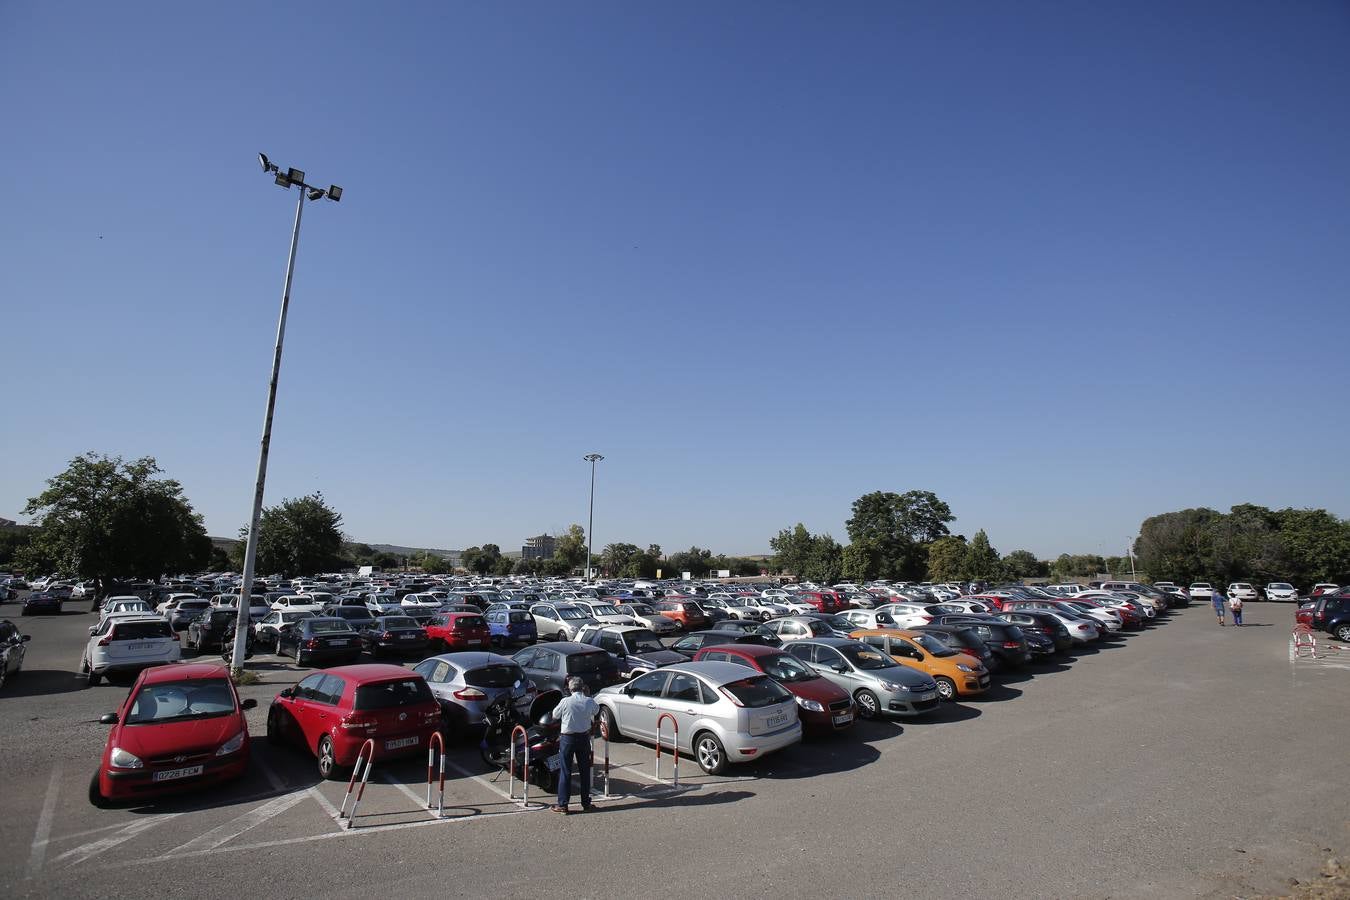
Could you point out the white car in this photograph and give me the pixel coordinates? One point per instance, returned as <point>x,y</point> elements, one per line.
<point>423,601</point>
<point>1241,590</point>
<point>297,603</point>
<point>127,644</point>
<point>869,618</point>
<point>607,613</point>
<point>257,605</point>
<point>173,601</point>
<point>965,606</point>
<point>797,628</point>
<point>645,615</point>
<point>907,615</point>
<point>766,607</point>
<point>734,607</point>
<point>1281,591</point>
<point>1202,590</point>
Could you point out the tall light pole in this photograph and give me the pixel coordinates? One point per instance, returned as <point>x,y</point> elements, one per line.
<point>1129,548</point>
<point>333,192</point>
<point>591,458</point>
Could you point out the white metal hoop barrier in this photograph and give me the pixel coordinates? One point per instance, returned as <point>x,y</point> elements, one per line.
<point>432,745</point>
<point>674,746</point>
<point>524,772</point>
<point>369,760</point>
<point>1305,642</point>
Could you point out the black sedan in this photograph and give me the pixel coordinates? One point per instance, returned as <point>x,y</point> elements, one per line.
<point>1005,640</point>
<point>212,629</point>
<point>695,641</point>
<point>393,634</point>
<point>744,626</point>
<point>549,665</point>
<point>318,641</point>
<point>42,604</point>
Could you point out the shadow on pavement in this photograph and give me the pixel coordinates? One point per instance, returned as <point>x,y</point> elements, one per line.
<point>41,682</point>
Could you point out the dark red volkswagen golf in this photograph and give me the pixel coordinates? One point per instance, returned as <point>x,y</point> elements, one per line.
<point>822,705</point>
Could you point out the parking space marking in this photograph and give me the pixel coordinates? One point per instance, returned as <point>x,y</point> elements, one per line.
<point>451,764</point>
<point>323,801</point>
<point>38,853</point>
<point>232,829</point>
<point>419,801</point>
<point>94,848</point>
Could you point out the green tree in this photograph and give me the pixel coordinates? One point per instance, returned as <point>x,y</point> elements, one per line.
<point>982,560</point>
<point>570,550</point>
<point>695,561</point>
<point>947,559</point>
<point>900,526</point>
<point>220,561</point>
<point>641,565</point>
<point>792,549</point>
<point>104,517</point>
<point>1077,566</point>
<point>861,561</point>
<point>615,557</point>
<point>300,536</point>
<point>484,560</point>
<point>1021,564</point>
<point>824,563</point>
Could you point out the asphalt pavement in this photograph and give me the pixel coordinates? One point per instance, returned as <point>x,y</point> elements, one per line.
<point>1188,759</point>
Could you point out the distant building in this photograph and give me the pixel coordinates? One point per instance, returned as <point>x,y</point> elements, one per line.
<point>540,547</point>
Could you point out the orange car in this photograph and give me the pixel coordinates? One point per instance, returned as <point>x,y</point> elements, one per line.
<point>956,674</point>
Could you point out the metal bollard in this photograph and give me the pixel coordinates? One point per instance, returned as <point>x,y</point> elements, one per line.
<point>369,760</point>
<point>431,755</point>
<point>525,770</point>
<point>674,746</point>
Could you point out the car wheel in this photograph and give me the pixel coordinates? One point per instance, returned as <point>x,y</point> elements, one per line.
<point>1343,633</point>
<point>869,707</point>
<point>299,658</point>
<point>4,672</point>
<point>328,767</point>
<point>96,797</point>
<point>274,736</point>
<point>946,688</point>
<point>93,678</point>
<point>709,753</point>
<point>611,725</point>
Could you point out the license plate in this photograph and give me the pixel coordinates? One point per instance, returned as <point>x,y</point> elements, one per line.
<point>931,695</point>
<point>171,774</point>
<point>337,643</point>
<point>843,718</point>
<point>554,762</point>
<point>400,743</point>
<point>772,721</point>
<point>473,643</point>
<point>140,646</point>
<point>407,637</point>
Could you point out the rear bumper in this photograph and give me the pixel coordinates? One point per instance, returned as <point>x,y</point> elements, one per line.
<point>346,747</point>
<point>744,748</point>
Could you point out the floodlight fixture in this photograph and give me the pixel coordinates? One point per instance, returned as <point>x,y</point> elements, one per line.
<point>295,176</point>
<point>315,194</point>
<point>283,181</point>
<point>267,164</point>
<point>334,193</point>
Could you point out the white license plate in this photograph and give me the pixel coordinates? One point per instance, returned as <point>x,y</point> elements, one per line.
<point>407,637</point>
<point>775,721</point>
<point>931,695</point>
<point>401,742</point>
<point>171,774</point>
<point>843,719</point>
<point>337,643</point>
<point>473,643</point>
<point>140,646</point>
<point>554,762</point>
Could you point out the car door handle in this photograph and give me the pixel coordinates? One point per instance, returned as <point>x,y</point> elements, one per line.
<point>651,706</point>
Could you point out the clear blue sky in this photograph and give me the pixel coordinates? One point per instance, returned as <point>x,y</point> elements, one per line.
<point>1067,265</point>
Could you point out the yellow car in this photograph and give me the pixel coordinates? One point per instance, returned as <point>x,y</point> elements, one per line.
<point>956,674</point>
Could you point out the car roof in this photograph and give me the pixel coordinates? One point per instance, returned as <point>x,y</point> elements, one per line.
<point>474,659</point>
<point>755,650</point>
<point>566,647</point>
<point>891,632</point>
<point>717,672</point>
<point>180,671</point>
<point>372,672</point>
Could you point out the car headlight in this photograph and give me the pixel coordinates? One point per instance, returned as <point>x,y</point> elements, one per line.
<point>964,668</point>
<point>811,705</point>
<point>124,760</point>
<point>232,745</point>
<point>893,687</point>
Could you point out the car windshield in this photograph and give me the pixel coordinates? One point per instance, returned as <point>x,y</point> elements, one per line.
<point>1281,586</point>
<point>933,645</point>
<point>176,701</point>
<point>399,622</point>
<point>196,604</point>
<point>786,669</point>
<point>570,612</point>
<point>604,609</point>
<point>865,657</point>
<point>639,609</point>
<point>587,662</point>
<point>758,691</point>
<point>391,694</point>
<point>296,616</point>
<point>644,642</point>
<point>328,626</point>
<point>494,676</point>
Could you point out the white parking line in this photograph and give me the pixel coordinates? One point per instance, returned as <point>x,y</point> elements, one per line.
<point>232,829</point>
<point>420,802</point>
<point>44,826</point>
<point>323,801</point>
<point>94,848</point>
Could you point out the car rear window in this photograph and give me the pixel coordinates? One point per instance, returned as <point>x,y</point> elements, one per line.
<point>758,691</point>
<point>329,626</point>
<point>392,694</point>
<point>519,617</point>
<point>470,622</point>
<point>587,662</point>
<point>135,631</point>
<point>399,622</point>
<point>498,676</point>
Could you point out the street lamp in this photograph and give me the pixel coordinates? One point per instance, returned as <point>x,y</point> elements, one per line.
<point>333,192</point>
<point>591,458</point>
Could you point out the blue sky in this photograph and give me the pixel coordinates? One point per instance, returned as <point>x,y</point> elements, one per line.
<point>1067,265</point>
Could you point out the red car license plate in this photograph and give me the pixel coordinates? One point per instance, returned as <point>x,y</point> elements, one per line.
<point>401,742</point>
<point>171,774</point>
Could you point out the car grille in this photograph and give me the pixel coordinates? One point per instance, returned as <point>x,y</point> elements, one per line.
<point>840,705</point>
<point>187,757</point>
<point>922,705</point>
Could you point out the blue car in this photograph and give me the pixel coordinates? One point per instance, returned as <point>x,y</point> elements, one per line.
<point>511,626</point>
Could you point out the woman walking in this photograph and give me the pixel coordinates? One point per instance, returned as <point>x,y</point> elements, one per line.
<point>1217,600</point>
<point>1235,604</point>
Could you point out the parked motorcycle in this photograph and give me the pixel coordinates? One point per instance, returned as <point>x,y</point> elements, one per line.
<point>543,733</point>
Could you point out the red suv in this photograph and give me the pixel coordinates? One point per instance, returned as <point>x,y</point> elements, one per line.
<point>822,705</point>
<point>825,601</point>
<point>688,615</point>
<point>458,631</point>
<point>180,727</point>
<point>333,713</point>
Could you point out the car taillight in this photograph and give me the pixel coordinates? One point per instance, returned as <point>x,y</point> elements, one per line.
<point>353,721</point>
<point>730,696</point>
<point>386,636</point>
<point>312,644</point>
<point>470,693</point>
<point>1011,645</point>
<point>106,641</point>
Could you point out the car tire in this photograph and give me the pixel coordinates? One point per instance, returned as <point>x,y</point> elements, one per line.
<point>93,678</point>
<point>1342,632</point>
<point>299,658</point>
<point>709,753</point>
<point>274,735</point>
<point>96,797</point>
<point>946,688</point>
<point>869,707</point>
<point>327,760</point>
<point>611,725</point>
<point>4,672</point>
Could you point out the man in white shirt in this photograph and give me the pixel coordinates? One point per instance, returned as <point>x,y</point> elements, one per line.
<point>575,713</point>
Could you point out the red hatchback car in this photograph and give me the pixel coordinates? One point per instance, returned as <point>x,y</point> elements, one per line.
<point>687,614</point>
<point>458,631</point>
<point>822,705</point>
<point>334,712</point>
<point>182,726</point>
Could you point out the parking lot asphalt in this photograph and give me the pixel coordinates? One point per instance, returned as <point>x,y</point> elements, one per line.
<point>1188,759</point>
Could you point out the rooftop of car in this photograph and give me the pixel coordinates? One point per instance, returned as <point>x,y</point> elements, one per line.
<point>473,659</point>
<point>566,647</point>
<point>755,650</point>
<point>372,672</point>
<point>181,671</point>
<point>717,672</point>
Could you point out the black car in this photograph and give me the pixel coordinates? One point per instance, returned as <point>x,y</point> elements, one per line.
<point>746,626</point>
<point>422,615</point>
<point>549,665</point>
<point>356,616</point>
<point>1032,622</point>
<point>691,643</point>
<point>12,650</point>
<point>393,634</point>
<point>963,640</point>
<point>1332,615</point>
<point>42,604</point>
<point>322,639</point>
<point>1005,640</point>
<point>211,629</point>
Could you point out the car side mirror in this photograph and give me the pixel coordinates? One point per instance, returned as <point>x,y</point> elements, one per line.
<point>840,668</point>
<point>287,693</point>
<point>25,638</point>
<point>250,703</point>
<point>92,629</point>
<point>108,719</point>
<point>628,689</point>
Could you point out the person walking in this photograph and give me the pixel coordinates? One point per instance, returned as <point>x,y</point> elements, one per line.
<point>576,713</point>
<point>1217,600</point>
<point>1235,605</point>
